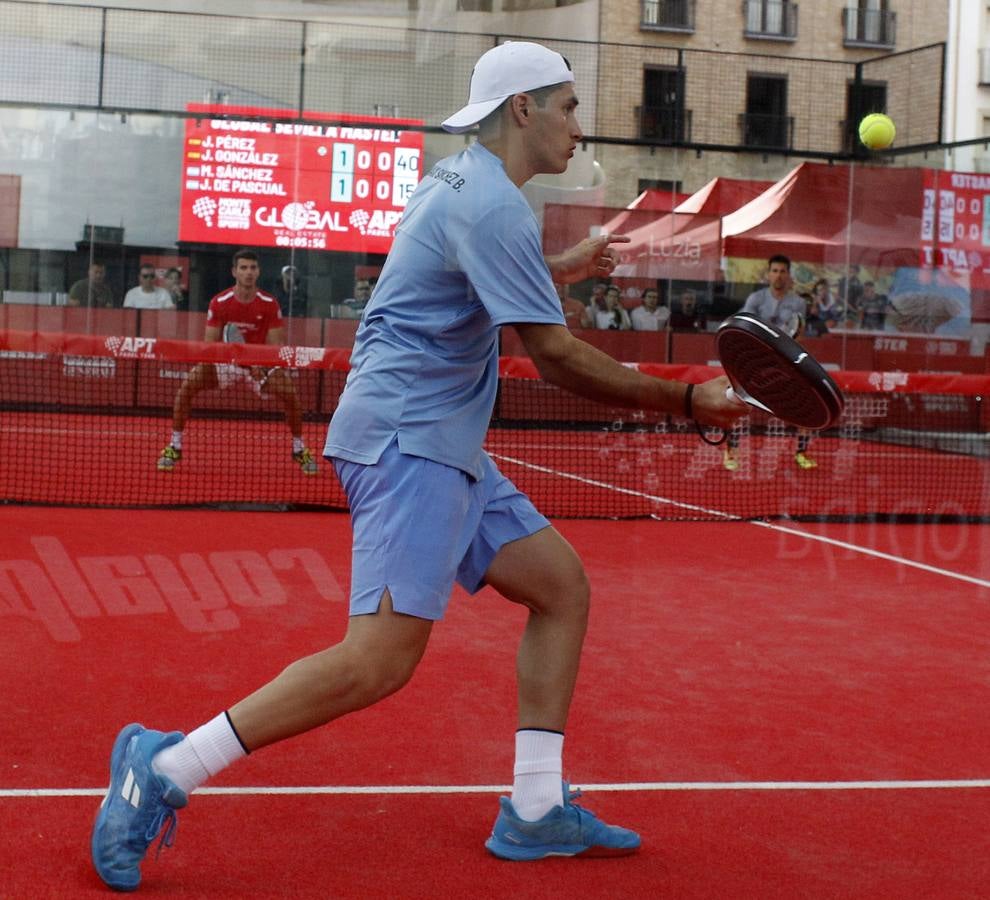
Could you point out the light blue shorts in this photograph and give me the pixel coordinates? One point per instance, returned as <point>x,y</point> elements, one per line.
<point>419,525</point>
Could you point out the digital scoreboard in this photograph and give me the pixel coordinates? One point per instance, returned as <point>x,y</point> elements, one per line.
<point>262,183</point>
<point>955,224</point>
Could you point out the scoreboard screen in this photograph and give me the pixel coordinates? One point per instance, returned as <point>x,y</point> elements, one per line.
<point>307,186</point>
<point>955,224</point>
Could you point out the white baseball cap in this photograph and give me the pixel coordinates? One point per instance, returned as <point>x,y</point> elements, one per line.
<point>510,68</point>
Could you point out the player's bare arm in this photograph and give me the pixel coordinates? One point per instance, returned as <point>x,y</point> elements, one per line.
<point>577,366</point>
<point>276,336</point>
<point>594,257</point>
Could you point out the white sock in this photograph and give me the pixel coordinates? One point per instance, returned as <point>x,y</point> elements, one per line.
<point>201,754</point>
<point>297,445</point>
<point>537,787</point>
<point>177,440</point>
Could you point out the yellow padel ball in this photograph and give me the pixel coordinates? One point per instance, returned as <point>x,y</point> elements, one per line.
<point>877,131</point>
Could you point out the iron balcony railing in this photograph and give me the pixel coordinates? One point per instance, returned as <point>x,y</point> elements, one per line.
<point>770,19</point>
<point>763,131</point>
<point>664,124</point>
<point>667,15</point>
<point>869,27</point>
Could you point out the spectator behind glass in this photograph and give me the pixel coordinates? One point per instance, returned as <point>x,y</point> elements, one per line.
<point>850,291</point>
<point>830,309</point>
<point>814,319</point>
<point>614,317</point>
<point>574,310</point>
<point>873,308</point>
<point>291,292</point>
<point>686,316</point>
<point>595,303</point>
<point>352,307</point>
<point>650,316</point>
<point>92,290</point>
<point>777,304</point>
<point>173,284</point>
<point>148,295</point>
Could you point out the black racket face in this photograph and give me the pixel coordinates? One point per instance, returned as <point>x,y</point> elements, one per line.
<point>772,369</point>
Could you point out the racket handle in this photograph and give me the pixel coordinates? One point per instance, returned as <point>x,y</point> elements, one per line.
<point>731,394</point>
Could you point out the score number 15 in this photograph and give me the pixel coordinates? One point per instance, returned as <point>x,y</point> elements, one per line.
<point>353,171</point>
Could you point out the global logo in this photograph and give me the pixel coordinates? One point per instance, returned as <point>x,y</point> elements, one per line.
<point>296,215</point>
<point>299,217</point>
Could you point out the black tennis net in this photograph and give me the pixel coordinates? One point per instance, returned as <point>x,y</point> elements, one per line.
<point>84,419</point>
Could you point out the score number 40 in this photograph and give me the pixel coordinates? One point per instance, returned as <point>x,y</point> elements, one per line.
<point>403,163</point>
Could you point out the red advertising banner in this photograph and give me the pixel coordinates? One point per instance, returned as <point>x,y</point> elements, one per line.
<point>307,186</point>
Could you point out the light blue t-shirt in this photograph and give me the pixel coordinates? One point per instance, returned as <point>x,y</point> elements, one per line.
<point>466,259</point>
<point>784,313</point>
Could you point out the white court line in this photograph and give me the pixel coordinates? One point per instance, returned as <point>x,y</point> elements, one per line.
<point>879,554</point>
<point>570,476</point>
<point>378,790</point>
<point>772,526</point>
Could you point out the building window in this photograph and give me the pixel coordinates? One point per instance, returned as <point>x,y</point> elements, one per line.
<point>869,23</point>
<point>984,66</point>
<point>773,19</point>
<point>667,15</point>
<point>765,124</point>
<point>662,116</point>
<point>658,184</point>
<point>862,98</point>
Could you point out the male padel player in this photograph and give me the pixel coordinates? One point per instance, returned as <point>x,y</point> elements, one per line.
<point>778,305</point>
<point>406,440</point>
<point>259,319</point>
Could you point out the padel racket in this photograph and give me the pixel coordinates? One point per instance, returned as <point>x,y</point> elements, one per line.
<point>772,372</point>
<point>232,334</point>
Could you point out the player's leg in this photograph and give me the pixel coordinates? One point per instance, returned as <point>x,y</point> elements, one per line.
<point>801,455</point>
<point>543,573</point>
<point>152,773</point>
<point>377,656</point>
<point>517,552</point>
<point>730,455</point>
<point>279,385</point>
<point>401,580</point>
<point>201,377</point>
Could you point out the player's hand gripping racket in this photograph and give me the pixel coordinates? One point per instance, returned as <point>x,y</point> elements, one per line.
<point>772,372</point>
<point>232,334</point>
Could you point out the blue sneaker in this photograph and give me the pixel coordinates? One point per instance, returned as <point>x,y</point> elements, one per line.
<point>139,806</point>
<point>567,830</point>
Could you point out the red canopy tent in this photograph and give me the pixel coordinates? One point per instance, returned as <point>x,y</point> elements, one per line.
<point>685,244</point>
<point>658,199</point>
<point>722,195</point>
<point>818,213</point>
<point>651,200</point>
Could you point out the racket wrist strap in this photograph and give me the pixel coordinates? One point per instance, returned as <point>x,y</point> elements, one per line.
<point>688,406</point>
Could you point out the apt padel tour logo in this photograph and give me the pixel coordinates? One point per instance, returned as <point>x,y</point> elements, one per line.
<point>131,347</point>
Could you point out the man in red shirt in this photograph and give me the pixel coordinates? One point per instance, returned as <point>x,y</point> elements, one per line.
<point>258,317</point>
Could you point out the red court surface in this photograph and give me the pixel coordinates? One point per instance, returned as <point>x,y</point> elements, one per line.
<point>779,716</point>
